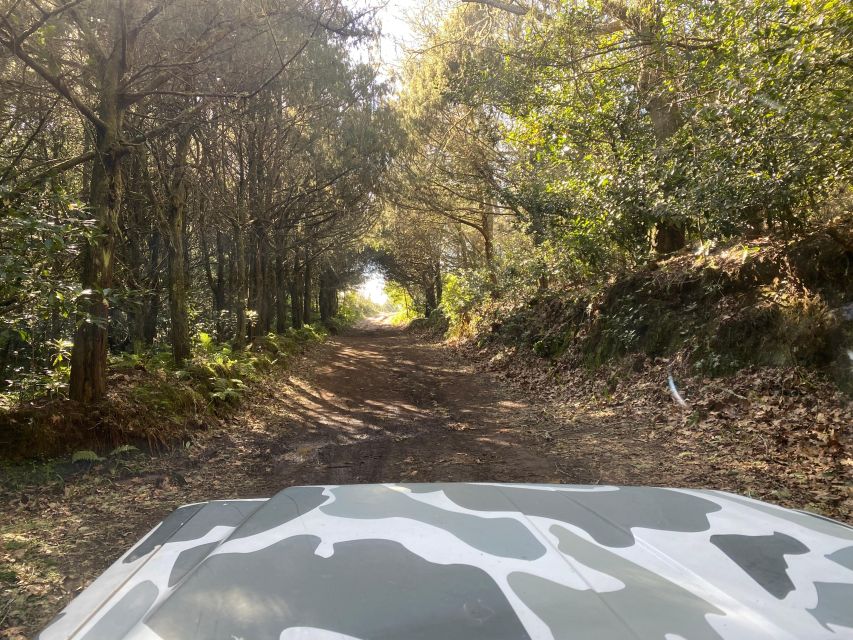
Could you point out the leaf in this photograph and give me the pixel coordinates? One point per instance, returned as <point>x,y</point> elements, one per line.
<point>125,448</point>
<point>85,456</point>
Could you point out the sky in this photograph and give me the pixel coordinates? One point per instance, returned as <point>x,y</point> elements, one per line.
<point>373,288</point>
<point>396,32</point>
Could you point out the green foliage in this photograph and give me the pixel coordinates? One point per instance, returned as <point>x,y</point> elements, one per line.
<point>460,294</point>
<point>41,236</point>
<point>315,332</point>
<point>205,341</point>
<point>85,456</point>
<point>220,373</point>
<point>402,302</point>
<point>9,576</point>
<point>167,397</point>
<point>125,449</point>
<point>435,324</point>
<point>354,307</point>
<point>704,120</point>
<point>708,139</point>
<point>226,391</point>
<point>223,373</point>
<point>553,168</point>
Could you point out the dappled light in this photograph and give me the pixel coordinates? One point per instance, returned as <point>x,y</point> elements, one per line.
<point>254,245</point>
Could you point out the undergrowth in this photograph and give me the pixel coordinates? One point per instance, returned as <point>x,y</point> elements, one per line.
<point>151,402</point>
<point>767,303</point>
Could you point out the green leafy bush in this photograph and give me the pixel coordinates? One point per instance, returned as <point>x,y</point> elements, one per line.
<point>405,309</point>
<point>352,307</point>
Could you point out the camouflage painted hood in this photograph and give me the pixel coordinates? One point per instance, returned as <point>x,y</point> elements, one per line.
<point>470,561</point>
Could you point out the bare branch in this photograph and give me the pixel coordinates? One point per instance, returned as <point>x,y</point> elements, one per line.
<point>45,16</point>
<point>503,6</point>
<point>14,44</point>
<point>59,167</point>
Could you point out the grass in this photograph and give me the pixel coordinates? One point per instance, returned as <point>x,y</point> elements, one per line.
<point>8,575</point>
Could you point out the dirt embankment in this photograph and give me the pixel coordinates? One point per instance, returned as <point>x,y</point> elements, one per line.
<point>762,302</point>
<point>731,369</point>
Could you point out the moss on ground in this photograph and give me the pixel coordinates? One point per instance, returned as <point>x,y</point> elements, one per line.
<point>766,304</point>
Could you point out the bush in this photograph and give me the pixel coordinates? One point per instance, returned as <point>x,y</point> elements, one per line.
<point>436,324</point>
<point>353,307</point>
<point>458,298</point>
<point>402,302</point>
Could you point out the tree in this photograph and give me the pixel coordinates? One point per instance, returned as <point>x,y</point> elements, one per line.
<point>149,73</point>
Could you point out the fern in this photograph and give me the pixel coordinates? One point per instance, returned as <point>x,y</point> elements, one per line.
<point>85,456</point>
<point>226,395</point>
<point>205,340</point>
<point>125,448</point>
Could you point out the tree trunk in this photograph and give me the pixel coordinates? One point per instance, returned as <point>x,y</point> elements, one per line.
<point>136,257</point>
<point>668,238</point>
<point>429,299</point>
<point>270,284</point>
<point>177,264</point>
<point>327,296</point>
<point>668,235</point>
<point>89,355</point>
<point>296,297</point>
<point>306,293</point>
<point>439,291</point>
<point>260,280</point>
<point>216,284</point>
<point>151,307</point>
<point>242,288</point>
<point>221,281</point>
<point>280,294</point>
<point>147,276</point>
<point>488,231</point>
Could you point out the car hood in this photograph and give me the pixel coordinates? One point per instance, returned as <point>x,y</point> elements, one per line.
<point>468,561</point>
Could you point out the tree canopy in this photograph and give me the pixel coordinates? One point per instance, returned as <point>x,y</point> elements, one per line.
<point>171,167</point>
<point>174,166</point>
<point>604,134</point>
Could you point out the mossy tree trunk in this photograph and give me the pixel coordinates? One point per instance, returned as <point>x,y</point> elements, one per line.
<point>177,263</point>
<point>88,381</point>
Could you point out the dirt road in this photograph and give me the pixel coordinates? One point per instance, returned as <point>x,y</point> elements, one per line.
<point>382,406</point>
<point>374,405</point>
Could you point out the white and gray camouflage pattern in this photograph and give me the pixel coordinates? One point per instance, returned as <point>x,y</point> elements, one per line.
<point>476,561</point>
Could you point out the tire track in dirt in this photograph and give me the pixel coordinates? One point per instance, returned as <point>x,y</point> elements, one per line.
<point>376,404</point>
<point>383,406</point>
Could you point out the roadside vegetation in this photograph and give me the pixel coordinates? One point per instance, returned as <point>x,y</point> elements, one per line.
<point>589,182</point>
<point>180,209</point>
<point>636,214</point>
<point>572,153</point>
<point>643,205</point>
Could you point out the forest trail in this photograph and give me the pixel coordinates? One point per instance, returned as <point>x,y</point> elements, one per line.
<point>380,405</point>
<point>375,404</point>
